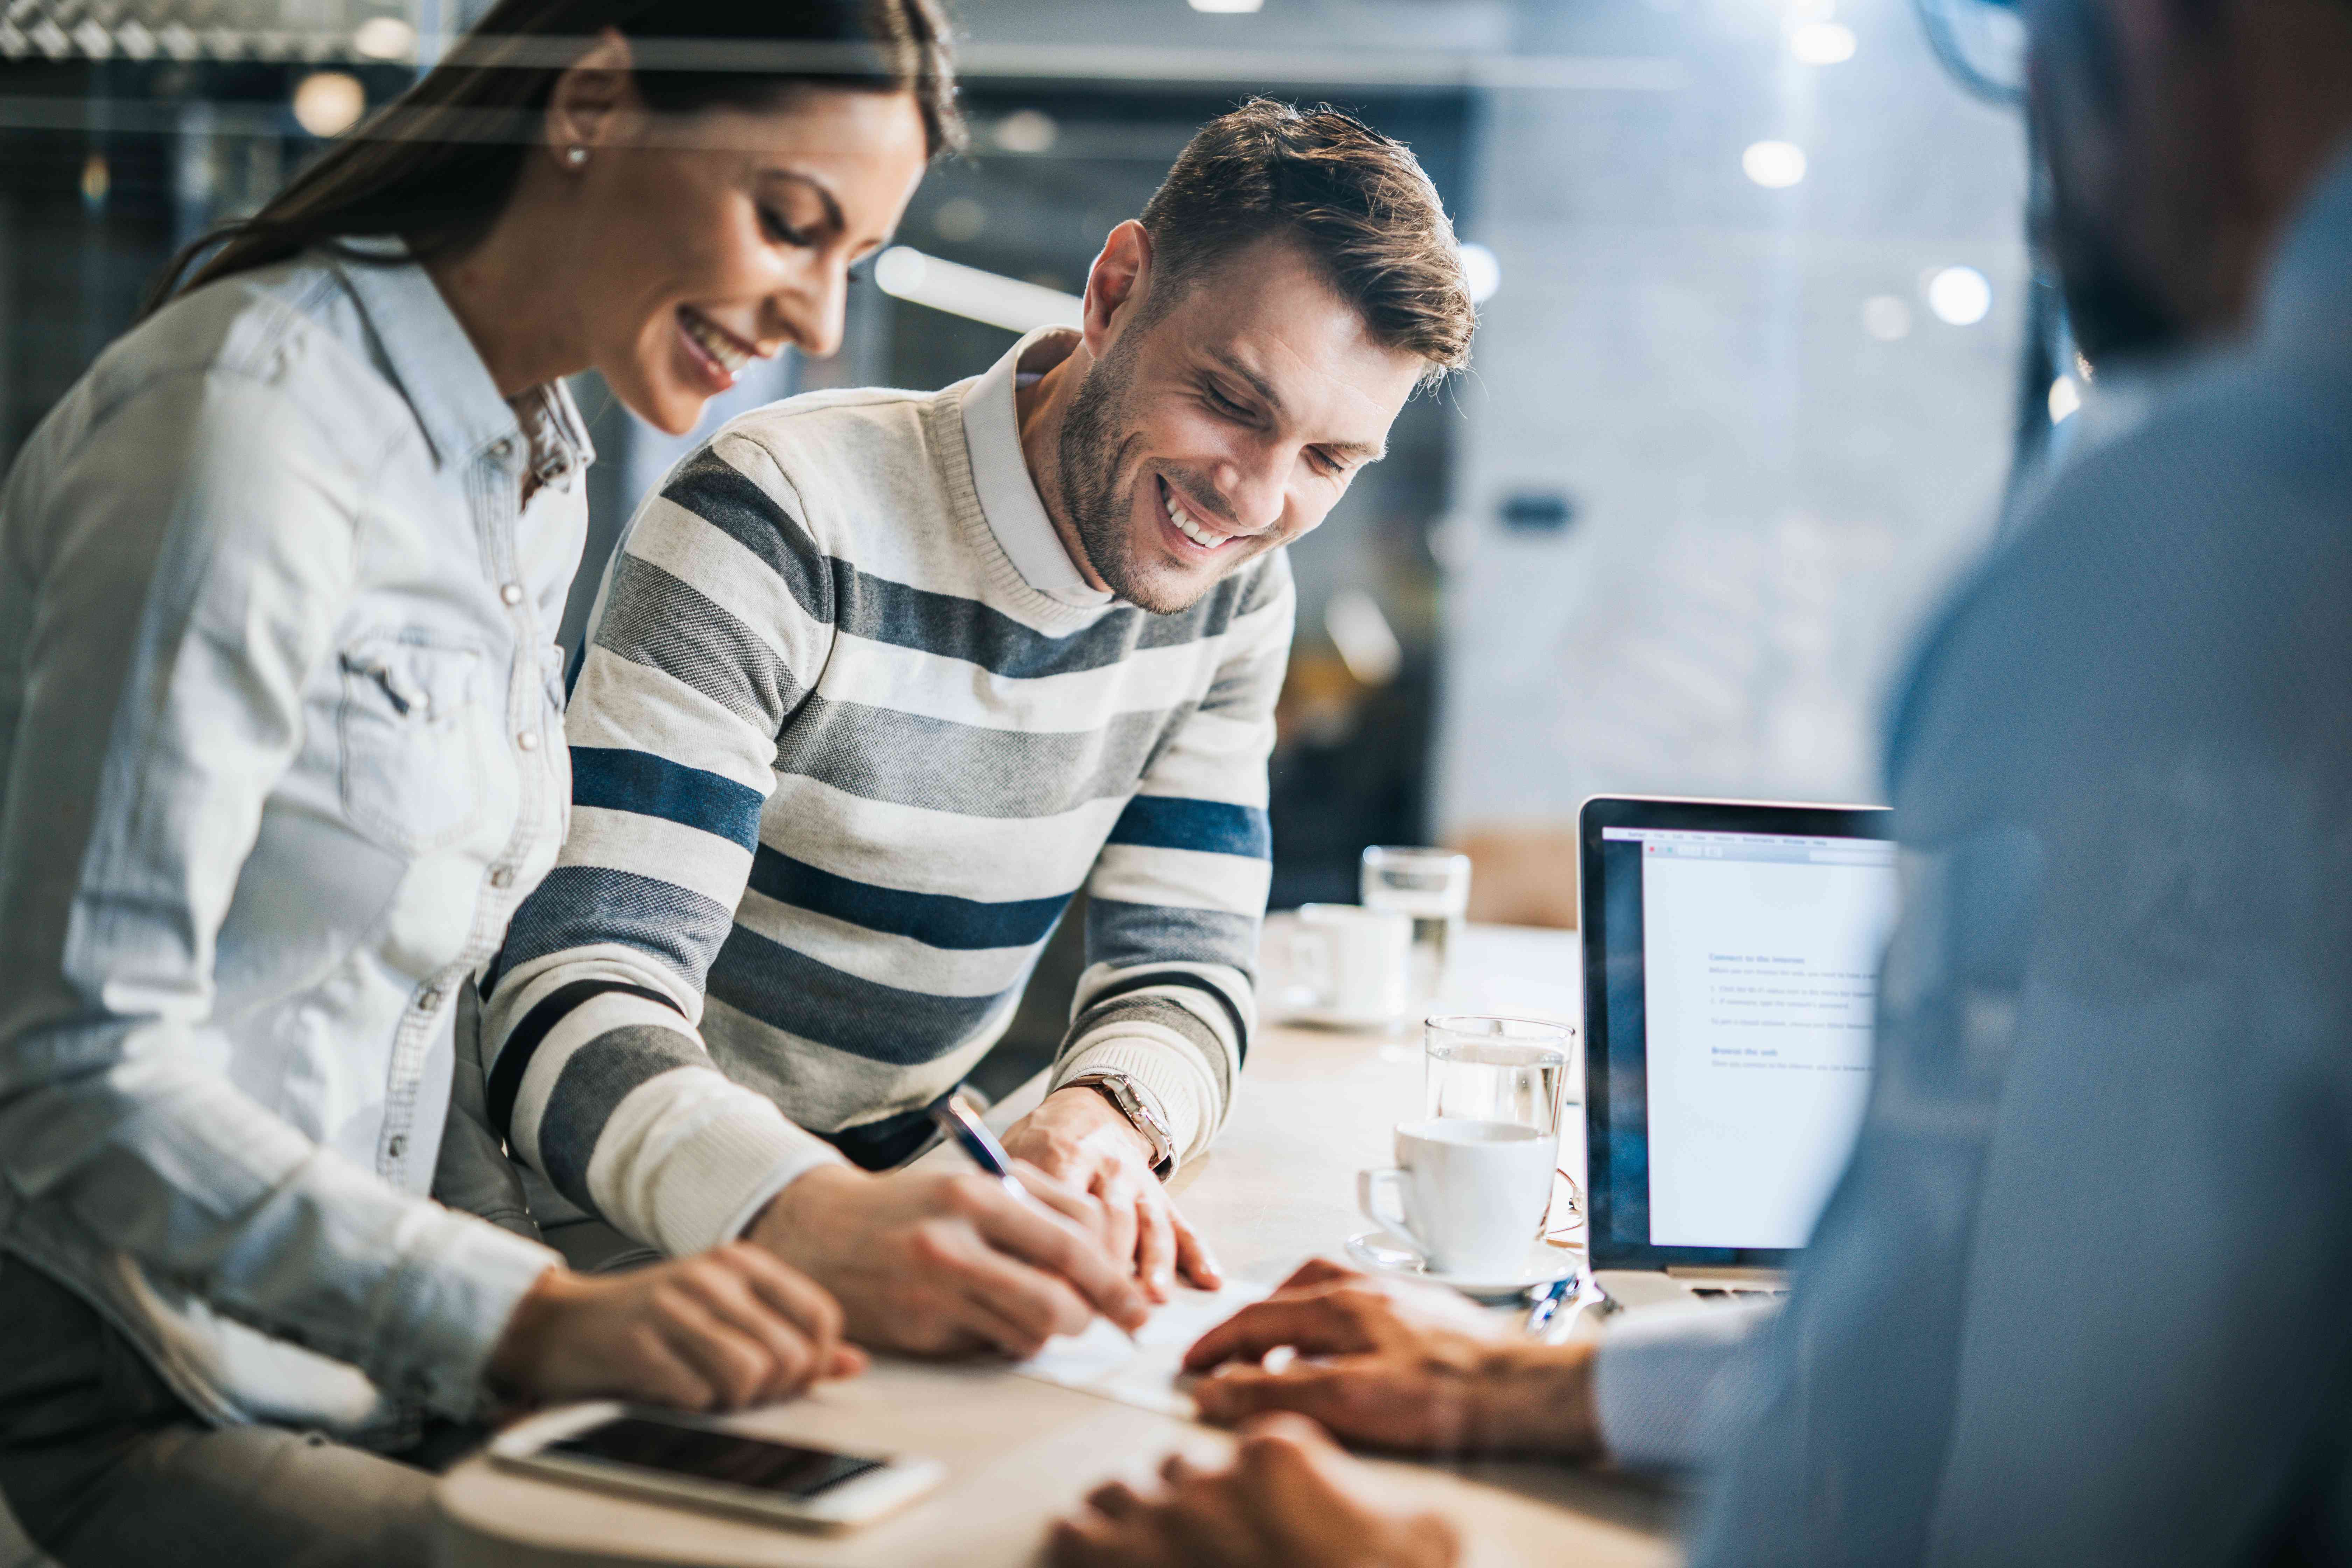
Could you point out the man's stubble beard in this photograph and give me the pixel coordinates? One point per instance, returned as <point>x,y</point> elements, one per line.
<point>2111,310</point>
<point>1091,452</point>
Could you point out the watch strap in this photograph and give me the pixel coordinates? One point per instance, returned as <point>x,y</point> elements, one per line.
<point>1132,1103</point>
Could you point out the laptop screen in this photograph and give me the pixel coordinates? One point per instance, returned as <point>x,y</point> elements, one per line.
<point>1731,1055</point>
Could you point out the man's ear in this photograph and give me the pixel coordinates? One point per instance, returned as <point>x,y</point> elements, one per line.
<point>589,97</point>
<point>1117,286</point>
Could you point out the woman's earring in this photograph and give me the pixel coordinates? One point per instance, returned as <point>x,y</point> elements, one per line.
<point>576,156</point>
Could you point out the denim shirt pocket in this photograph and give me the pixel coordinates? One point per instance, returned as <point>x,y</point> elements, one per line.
<point>413,743</point>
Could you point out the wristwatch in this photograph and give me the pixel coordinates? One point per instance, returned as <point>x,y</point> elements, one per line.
<point>1120,1090</point>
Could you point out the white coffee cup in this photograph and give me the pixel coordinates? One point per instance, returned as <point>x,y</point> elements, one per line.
<point>1347,966</point>
<point>1472,1194</point>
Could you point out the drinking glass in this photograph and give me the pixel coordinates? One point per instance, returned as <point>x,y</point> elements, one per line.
<point>1432,885</point>
<point>1501,1069</point>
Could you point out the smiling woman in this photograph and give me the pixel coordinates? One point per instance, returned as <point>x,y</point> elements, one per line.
<point>660,192</point>
<point>281,749</point>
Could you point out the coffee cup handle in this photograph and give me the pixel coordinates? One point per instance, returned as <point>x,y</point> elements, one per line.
<point>1368,1188</point>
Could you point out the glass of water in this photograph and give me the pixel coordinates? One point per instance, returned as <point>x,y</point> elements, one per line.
<point>1432,885</point>
<point>1502,1069</point>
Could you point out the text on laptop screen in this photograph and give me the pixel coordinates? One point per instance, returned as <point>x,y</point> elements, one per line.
<point>1760,970</point>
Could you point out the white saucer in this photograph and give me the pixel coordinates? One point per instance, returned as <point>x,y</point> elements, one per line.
<point>1384,1252</point>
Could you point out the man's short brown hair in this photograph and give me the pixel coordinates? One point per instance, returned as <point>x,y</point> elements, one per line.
<point>1355,201</point>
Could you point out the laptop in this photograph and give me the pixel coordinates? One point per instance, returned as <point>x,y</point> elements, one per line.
<point>1731,953</point>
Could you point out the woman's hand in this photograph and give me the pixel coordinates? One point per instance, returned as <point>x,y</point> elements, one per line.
<point>1399,1366</point>
<point>1290,1500</point>
<point>945,1263</point>
<point>721,1330</point>
<point>1082,1139</point>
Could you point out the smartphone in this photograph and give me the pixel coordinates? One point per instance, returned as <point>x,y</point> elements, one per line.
<point>704,1464</point>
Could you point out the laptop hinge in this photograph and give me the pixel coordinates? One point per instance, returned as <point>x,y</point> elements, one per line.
<point>1729,1275</point>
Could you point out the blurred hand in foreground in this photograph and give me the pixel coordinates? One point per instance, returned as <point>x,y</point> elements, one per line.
<point>1289,1500</point>
<point>1397,1366</point>
<point>719,1331</point>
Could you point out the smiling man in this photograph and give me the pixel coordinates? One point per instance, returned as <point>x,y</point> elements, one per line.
<point>878,680</point>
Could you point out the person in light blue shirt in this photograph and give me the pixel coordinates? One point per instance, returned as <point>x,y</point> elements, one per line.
<point>2079,1297</point>
<point>281,749</point>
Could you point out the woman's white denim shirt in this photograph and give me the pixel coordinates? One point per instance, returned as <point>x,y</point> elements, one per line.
<point>280,750</point>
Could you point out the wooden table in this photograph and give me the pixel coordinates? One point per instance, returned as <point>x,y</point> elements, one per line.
<point>1278,1187</point>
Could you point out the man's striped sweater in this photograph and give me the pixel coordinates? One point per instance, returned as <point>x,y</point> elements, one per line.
<point>848,734</point>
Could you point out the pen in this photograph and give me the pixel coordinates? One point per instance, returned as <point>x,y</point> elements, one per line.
<point>957,1120</point>
<point>1546,1302</point>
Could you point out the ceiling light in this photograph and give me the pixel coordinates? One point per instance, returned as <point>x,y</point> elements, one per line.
<point>328,103</point>
<point>1227,7</point>
<point>1775,165</point>
<point>958,219</point>
<point>385,38</point>
<point>1961,296</point>
<point>2064,398</point>
<point>1367,643</point>
<point>905,273</point>
<point>1822,43</point>
<point>1481,271</point>
<point>1027,131</point>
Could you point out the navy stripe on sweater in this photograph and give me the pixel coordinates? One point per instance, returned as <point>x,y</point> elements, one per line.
<point>615,779</point>
<point>1213,826</point>
<point>938,920</point>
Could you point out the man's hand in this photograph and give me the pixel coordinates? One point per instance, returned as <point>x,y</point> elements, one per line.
<point>1290,1500</point>
<point>1080,1137</point>
<point>718,1330</point>
<point>1399,1366</point>
<point>949,1262</point>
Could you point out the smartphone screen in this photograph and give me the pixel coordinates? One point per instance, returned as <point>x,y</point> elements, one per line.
<point>722,1456</point>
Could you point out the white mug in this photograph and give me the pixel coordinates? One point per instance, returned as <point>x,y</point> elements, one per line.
<point>1472,1194</point>
<point>1349,965</point>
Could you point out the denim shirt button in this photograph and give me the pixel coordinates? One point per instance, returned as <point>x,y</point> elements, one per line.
<point>429,1001</point>
<point>502,449</point>
<point>511,594</point>
<point>503,877</point>
<point>528,740</point>
<point>398,1146</point>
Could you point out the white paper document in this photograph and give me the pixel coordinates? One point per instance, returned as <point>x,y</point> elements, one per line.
<point>1144,1370</point>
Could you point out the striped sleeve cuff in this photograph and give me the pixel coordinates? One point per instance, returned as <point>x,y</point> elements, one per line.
<point>1170,1079</point>
<point>603,1089</point>
<point>690,1157</point>
<point>1672,1386</point>
<point>1178,1033</point>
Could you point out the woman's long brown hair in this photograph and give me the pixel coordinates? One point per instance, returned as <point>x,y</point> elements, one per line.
<point>436,165</point>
